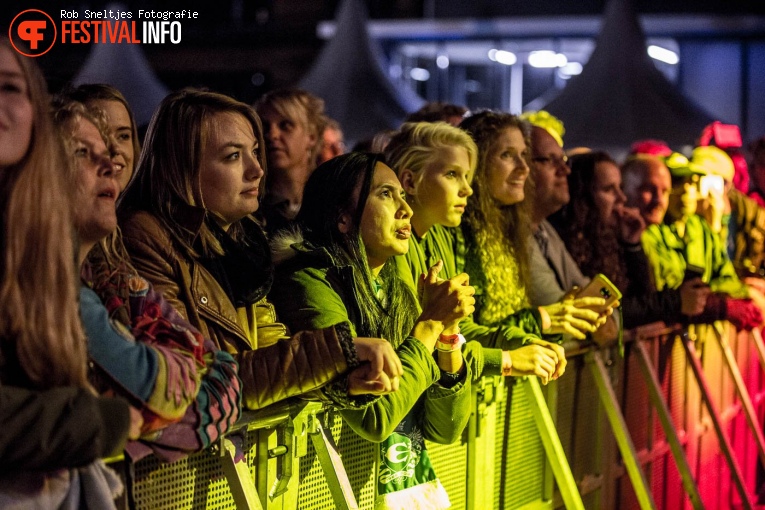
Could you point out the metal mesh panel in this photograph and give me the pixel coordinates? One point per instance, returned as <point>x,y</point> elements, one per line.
<point>196,482</point>
<point>358,458</point>
<point>524,456</point>
<point>450,463</point>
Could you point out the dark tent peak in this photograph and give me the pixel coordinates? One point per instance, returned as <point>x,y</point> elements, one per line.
<point>125,67</point>
<point>621,96</point>
<point>349,75</point>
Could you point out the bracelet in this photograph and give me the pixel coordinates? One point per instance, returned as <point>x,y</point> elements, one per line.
<point>448,343</point>
<point>507,368</point>
<point>544,316</point>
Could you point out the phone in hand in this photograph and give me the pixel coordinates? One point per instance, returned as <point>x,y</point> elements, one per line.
<point>601,286</point>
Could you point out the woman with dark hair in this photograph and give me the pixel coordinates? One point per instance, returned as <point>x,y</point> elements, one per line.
<point>603,236</point>
<point>187,224</point>
<point>50,417</point>
<point>339,269</point>
<point>120,123</point>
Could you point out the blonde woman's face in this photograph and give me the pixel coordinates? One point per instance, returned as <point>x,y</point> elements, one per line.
<point>16,112</point>
<point>439,195</point>
<point>230,173</point>
<point>121,138</point>
<point>506,168</point>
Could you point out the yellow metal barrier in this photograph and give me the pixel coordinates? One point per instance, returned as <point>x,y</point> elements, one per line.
<point>674,424</point>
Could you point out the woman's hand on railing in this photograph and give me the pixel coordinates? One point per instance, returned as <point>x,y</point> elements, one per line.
<point>360,382</point>
<point>543,359</point>
<point>380,370</point>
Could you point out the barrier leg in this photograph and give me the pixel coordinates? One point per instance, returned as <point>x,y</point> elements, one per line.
<point>714,414</point>
<point>240,481</point>
<point>332,465</point>
<point>553,448</point>
<point>657,399</point>
<point>759,346</point>
<point>743,393</point>
<point>619,428</point>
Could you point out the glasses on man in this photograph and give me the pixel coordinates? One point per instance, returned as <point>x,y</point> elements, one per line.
<point>551,159</point>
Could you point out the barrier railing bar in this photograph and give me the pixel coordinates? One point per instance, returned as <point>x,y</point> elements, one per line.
<point>238,476</point>
<point>657,400</point>
<point>759,346</point>
<point>706,395</point>
<point>619,428</point>
<point>332,465</point>
<point>743,393</point>
<point>552,445</point>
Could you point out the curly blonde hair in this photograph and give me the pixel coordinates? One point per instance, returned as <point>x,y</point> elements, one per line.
<point>497,236</point>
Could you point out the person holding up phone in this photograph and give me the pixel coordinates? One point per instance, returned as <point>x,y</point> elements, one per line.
<point>603,236</point>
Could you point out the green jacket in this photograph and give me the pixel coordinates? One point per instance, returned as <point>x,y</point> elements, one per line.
<point>448,244</point>
<point>668,255</point>
<point>310,291</point>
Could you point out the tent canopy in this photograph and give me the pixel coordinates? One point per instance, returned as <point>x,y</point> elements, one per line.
<point>621,96</point>
<point>348,74</point>
<point>124,66</point>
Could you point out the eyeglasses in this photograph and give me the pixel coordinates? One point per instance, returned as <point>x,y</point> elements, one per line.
<point>555,160</point>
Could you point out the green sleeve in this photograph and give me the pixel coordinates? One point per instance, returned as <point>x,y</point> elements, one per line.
<point>447,410</point>
<point>377,421</point>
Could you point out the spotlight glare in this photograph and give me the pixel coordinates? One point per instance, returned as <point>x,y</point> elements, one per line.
<point>507,58</point>
<point>547,59</point>
<point>442,61</point>
<point>663,54</point>
<point>419,74</point>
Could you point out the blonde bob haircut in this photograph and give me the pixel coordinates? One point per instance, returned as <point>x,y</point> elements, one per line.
<point>40,331</point>
<point>167,177</point>
<point>301,107</point>
<point>417,143</point>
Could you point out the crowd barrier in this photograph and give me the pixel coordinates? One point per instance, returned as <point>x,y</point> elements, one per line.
<point>673,424</point>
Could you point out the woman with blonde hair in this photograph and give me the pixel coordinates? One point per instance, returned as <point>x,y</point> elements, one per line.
<point>497,231</point>
<point>120,125</point>
<point>138,344</point>
<point>51,418</point>
<point>435,163</point>
<point>293,124</point>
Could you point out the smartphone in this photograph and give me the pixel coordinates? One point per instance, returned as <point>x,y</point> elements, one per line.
<point>601,286</point>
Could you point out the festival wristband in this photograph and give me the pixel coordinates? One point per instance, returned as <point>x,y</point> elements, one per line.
<point>450,342</point>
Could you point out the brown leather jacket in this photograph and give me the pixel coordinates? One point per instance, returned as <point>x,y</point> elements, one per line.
<point>272,365</point>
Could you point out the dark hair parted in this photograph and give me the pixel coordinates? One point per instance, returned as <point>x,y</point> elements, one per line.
<point>342,186</point>
<point>499,233</point>
<point>593,244</point>
<point>168,171</point>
